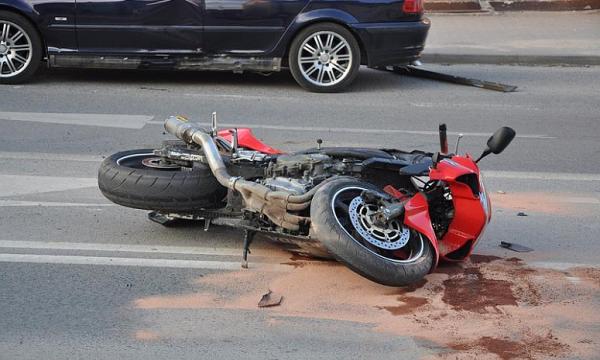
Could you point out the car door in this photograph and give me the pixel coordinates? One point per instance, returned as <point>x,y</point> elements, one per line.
<point>247,26</point>
<point>139,26</point>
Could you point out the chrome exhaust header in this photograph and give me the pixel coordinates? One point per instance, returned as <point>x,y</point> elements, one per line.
<point>257,197</point>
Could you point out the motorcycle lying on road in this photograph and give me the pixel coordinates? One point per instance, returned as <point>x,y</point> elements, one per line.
<point>389,215</point>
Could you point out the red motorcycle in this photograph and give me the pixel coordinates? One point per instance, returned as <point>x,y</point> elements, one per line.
<point>388,214</point>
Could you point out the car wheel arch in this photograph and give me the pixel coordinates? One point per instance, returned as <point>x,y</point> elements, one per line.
<point>26,16</point>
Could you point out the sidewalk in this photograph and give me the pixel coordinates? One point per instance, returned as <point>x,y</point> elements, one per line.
<point>540,38</point>
<point>509,5</point>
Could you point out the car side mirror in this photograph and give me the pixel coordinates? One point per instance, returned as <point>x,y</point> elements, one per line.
<point>498,141</point>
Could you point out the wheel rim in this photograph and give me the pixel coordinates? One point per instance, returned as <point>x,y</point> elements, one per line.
<point>325,58</point>
<point>145,160</point>
<point>16,50</point>
<point>394,243</point>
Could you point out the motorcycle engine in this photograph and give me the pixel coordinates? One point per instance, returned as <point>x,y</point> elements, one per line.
<point>300,165</point>
<point>297,173</point>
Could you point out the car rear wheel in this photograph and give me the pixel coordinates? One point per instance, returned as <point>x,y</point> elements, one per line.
<point>324,58</point>
<point>20,49</point>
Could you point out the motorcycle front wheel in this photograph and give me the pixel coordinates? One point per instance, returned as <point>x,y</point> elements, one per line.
<point>392,255</point>
<point>139,179</point>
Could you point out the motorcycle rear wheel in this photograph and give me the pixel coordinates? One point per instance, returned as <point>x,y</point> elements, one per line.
<point>400,264</point>
<point>136,179</point>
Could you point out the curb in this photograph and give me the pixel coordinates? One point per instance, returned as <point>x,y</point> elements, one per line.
<point>546,5</point>
<point>574,60</point>
<point>475,6</point>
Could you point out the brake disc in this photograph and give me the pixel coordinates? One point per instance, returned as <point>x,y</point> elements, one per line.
<point>392,236</point>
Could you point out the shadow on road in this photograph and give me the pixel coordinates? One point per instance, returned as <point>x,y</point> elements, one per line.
<point>159,80</point>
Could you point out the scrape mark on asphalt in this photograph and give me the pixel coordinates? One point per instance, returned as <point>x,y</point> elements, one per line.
<point>146,335</point>
<point>546,203</point>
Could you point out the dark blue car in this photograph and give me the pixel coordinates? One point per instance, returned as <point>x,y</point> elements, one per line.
<point>323,42</point>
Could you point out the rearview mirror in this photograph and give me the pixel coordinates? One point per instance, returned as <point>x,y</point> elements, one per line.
<point>499,141</point>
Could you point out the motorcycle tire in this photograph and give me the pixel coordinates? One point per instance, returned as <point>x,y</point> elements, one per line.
<point>124,179</point>
<point>332,225</point>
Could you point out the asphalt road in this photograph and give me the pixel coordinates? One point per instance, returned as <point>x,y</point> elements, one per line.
<point>82,278</point>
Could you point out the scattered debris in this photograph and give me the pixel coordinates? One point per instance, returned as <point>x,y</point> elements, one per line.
<point>501,192</point>
<point>521,214</point>
<point>514,247</point>
<point>433,75</point>
<point>270,299</point>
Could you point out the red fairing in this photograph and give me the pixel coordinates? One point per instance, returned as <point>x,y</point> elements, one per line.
<point>470,216</point>
<point>246,139</point>
<point>416,217</point>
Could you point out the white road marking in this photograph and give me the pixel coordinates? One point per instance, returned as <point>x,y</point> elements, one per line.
<point>139,121</point>
<point>356,130</point>
<point>528,175</point>
<point>49,156</point>
<point>12,185</point>
<point>131,248</point>
<point>138,262</point>
<point>21,203</point>
<point>100,120</point>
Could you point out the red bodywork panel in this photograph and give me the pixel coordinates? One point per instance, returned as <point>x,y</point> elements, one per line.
<point>416,216</point>
<point>246,139</point>
<point>470,216</point>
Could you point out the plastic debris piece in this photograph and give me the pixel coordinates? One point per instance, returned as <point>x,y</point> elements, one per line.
<point>270,299</point>
<point>521,214</point>
<point>515,247</point>
<point>501,192</point>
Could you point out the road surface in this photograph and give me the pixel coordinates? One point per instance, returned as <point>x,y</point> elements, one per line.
<point>83,278</point>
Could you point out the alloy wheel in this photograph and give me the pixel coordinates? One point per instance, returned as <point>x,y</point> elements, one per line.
<point>16,49</point>
<point>325,58</point>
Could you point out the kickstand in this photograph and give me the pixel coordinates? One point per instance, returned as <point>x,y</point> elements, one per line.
<point>248,237</point>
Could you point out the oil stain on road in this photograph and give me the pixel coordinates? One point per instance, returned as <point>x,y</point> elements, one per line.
<point>485,308</point>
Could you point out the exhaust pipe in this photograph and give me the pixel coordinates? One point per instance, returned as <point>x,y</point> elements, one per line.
<point>274,204</point>
<point>182,129</point>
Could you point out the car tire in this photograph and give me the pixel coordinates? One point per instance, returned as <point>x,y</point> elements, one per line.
<point>20,49</point>
<point>124,180</point>
<point>324,57</point>
<point>333,228</point>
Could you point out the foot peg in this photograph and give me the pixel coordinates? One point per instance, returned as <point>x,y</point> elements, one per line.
<point>159,218</point>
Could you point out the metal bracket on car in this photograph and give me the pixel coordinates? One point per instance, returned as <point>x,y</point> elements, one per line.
<point>434,75</point>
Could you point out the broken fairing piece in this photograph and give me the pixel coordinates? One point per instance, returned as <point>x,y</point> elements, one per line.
<point>515,247</point>
<point>270,299</point>
<point>433,75</point>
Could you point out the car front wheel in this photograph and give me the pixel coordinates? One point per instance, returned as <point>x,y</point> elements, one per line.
<point>20,49</point>
<point>324,58</point>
